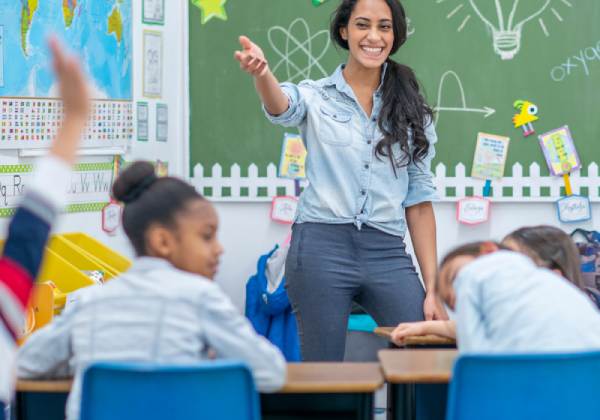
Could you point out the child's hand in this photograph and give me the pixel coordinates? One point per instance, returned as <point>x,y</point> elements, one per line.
<point>252,59</point>
<point>71,81</point>
<point>407,329</point>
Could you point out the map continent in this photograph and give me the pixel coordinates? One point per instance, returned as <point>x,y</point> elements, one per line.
<point>99,31</point>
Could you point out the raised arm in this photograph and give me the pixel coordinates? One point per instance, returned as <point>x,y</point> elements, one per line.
<point>29,229</point>
<point>252,61</point>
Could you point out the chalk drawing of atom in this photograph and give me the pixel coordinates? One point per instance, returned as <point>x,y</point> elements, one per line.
<point>299,51</point>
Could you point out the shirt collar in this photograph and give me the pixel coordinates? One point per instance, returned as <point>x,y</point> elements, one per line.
<point>337,80</point>
<point>149,263</point>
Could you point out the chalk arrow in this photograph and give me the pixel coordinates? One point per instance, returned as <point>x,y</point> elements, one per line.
<point>485,110</point>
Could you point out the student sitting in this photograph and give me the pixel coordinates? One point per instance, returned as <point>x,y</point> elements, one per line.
<point>547,246</point>
<point>29,228</point>
<point>165,309</point>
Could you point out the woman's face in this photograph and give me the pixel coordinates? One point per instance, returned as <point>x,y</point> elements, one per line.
<point>369,33</point>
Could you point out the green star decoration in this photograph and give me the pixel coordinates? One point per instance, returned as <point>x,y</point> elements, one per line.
<point>211,9</point>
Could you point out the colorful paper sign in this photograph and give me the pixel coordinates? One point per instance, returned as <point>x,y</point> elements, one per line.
<point>490,156</point>
<point>574,208</point>
<point>473,210</point>
<point>559,151</point>
<point>283,209</point>
<point>111,218</point>
<point>293,157</point>
<point>527,114</point>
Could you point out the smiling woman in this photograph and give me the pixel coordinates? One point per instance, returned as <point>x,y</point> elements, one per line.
<point>370,142</point>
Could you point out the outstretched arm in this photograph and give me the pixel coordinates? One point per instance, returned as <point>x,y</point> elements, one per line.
<point>252,61</point>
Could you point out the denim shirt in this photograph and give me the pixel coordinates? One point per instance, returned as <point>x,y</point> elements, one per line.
<point>347,182</point>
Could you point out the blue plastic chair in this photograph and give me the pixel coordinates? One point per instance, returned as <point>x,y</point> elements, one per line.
<point>527,387</point>
<point>2,410</point>
<point>208,390</point>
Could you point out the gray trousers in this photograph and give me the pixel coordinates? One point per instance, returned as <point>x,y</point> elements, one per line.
<point>328,266</point>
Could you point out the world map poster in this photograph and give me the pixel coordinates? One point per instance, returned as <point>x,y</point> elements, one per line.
<point>99,33</point>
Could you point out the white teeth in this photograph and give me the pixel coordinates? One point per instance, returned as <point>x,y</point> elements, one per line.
<point>371,50</point>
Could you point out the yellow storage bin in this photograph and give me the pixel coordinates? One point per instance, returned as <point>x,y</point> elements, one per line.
<point>100,251</point>
<point>79,257</point>
<point>66,276</point>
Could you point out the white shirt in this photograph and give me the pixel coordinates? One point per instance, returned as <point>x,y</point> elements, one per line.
<point>507,304</point>
<point>152,313</point>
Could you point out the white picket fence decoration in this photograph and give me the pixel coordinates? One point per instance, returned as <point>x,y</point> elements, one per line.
<point>459,183</point>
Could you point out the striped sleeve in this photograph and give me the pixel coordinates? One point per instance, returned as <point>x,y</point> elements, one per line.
<point>28,233</point>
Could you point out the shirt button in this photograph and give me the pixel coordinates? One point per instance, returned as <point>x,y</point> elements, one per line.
<point>369,141</point>
<point>367,166</point>
<point>373,119</point>
<point>363,192</point>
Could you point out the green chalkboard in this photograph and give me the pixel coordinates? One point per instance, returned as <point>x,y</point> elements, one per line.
<point>456,49</point>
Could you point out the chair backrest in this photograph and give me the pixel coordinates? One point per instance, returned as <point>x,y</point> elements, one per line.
<point>2,411</point>
<point>543,386</point>
<point>208,390</point>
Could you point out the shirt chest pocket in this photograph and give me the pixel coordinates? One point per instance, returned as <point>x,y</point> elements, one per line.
<point>335,126</point>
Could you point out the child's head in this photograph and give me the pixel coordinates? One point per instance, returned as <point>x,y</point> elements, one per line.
<point>371,30</point>
<point>548,247</point>
<point>454,261</point>
<point>167,218</point>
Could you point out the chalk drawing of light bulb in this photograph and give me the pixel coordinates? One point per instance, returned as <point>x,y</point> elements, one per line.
<point>506,23</point>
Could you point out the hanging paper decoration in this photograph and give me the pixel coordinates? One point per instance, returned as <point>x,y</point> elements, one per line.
<point>318,2</point>
<point>574,208</point>
<point>211,9</point>
<point>111,218</point>
<point>527,114</point>
<point>293,157</point>
<point>559,151</point>
<point>490,156</point>
<point>562,158</point>
<point>283,209</point>
<point>473,210</point>
<point>488,164</point>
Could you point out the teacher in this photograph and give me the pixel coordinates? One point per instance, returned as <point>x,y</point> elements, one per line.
<point>370,141</point>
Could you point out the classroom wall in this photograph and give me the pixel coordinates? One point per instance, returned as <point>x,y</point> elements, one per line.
<point>247,232</point>
<point>175,150</point>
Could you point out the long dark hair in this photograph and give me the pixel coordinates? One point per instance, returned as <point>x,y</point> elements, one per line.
<point>149,200</point>
<point>550,247</point>
<point>404,108</point>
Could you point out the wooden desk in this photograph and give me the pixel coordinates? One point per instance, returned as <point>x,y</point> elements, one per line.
<point>58,386</point>
<point>325,391</point>
<point>312,390</point>
<point>418,340</point>
<point>403,369</point>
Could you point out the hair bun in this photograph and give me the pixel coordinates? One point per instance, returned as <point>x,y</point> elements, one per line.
<point>133,181</point>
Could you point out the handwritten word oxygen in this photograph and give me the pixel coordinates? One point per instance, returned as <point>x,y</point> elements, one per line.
<point>578,62</point>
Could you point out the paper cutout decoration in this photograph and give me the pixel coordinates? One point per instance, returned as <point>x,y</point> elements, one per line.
<point>490,156</point>
<point>211,9</point>
<point>318,2</point>
<point>559,151</point>
<point>473,210</point>
<point>111,218</point>
<point>292,164</point>
<point>161,168</point>
<point>574,208</point>
<point>527,114</point>
<point>283,209</point>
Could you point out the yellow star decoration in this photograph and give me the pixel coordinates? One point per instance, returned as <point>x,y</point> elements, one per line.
<point>211,9</point>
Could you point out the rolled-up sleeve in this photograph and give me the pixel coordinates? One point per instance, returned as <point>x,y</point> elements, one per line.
<point>296,112</point>
<point>420,178</point>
